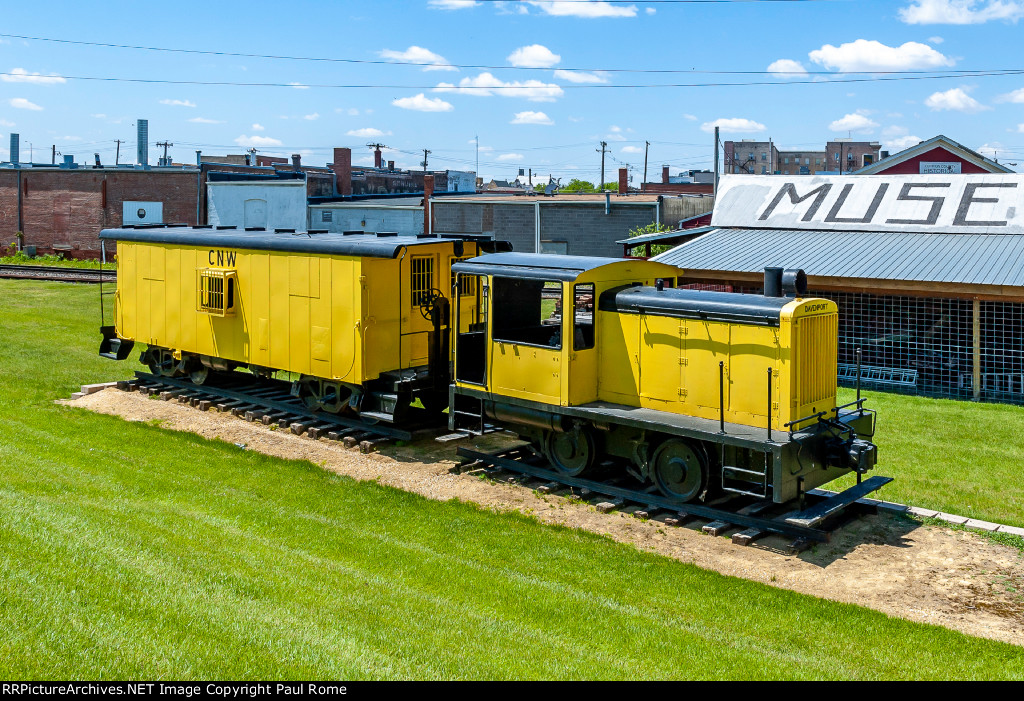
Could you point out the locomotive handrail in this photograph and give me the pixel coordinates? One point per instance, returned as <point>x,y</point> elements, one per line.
<point>806,418</point>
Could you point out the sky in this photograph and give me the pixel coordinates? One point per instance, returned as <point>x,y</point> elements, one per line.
<point>537,84</point>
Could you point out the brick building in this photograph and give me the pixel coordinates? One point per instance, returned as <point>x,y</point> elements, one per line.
<point>752,157</point>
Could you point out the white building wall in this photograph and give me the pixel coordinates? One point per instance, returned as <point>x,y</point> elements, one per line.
<point>278,205</point>
<point>403,220</point>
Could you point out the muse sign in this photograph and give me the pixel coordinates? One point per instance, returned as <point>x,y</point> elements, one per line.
<point>969,204</point>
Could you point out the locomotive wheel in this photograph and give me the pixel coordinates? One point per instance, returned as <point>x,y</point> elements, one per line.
<point>200,375</point>
<point>571,452</point>
<point>679,470</point>
<point>319,395</point>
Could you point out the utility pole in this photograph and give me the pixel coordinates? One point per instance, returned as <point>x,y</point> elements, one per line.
<point>477,157</point>
<point>715,192</point>
<point>165,144</point>
<point>604,147</point>
<point>647,145</point>
<point>426,152</point>
<point>117,156</point>
<point>53,155</point>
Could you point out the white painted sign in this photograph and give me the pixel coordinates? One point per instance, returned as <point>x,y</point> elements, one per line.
<point>142,212</point>
<point>939,168</point>
<point>969,204</point>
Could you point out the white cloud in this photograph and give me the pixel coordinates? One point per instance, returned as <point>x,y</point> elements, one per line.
<point>871,55</point>
<point>98,116</point>
<point>299,86</point>
<point>258,127</point>
<point>894,131</point>
<point>23,104</point>
<point>417,54</point>
<point>954,100</point>
<point>312,117</point>
<point>854,122</point>
<point>582,76</point>
<point>650,10</point>
<point>1020,127</point>
<point>531,118</point>
<point>900,143</point>
<point>787,68</point>
<point>961,11</point>
<point>422,103</point>
<point>511,157</point>
<point>736,125</point>
<point>20,75</point>
<point>690,117</point>
<point>990,150</point>
<point>936,40</point>
<point>632,149</point>
<point>485,85</point>
<point>533,56</point>
<point>583,8</point>
<point>1017,96</point>
<point>366,132</point>
<point>203,120</point>
<point>452,4</point>
<point>244,140</point>
<point>178,103</point>
<point>5,123</point>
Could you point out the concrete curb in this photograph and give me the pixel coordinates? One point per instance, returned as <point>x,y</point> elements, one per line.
<point>974,523</point>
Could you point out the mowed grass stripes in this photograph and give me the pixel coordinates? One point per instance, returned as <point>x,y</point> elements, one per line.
<point>129,551</point>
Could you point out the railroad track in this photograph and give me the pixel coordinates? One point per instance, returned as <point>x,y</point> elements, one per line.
<point>745,518</point>
<point>55,273</point>
<point>270,402</point>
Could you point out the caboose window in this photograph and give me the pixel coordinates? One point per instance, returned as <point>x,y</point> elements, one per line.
<point>422,270</point>
<point>216,292</point>
<point>467,283</point>
<point>527,311</point>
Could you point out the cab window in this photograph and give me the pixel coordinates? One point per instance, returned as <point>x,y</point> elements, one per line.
<point>583,317</point>
<point>527,311</point>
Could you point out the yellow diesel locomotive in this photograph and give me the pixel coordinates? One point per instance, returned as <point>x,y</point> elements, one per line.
<point>360,320</point>
<point>594,357</point>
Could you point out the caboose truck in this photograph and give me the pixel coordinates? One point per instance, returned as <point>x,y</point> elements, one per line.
<point>360,319</point>
<point>693,391</point>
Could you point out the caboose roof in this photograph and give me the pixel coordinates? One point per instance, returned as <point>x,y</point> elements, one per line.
<point>364,245</point>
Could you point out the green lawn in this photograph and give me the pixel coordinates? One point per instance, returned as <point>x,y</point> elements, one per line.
<point>57,260</point>
<point>959,457</point>
<point>128,551</point>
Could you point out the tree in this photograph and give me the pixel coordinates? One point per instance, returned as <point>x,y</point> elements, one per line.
<point>655,227</point>
<point>577,185</point>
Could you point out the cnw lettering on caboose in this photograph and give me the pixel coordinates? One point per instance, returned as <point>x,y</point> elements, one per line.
<point>222,259</point>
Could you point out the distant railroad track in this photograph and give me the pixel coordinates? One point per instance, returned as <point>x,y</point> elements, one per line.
<point>58,274</point>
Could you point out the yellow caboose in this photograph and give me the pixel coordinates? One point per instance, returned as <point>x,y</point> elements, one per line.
<point>360,319</point>
<point>594,357</point>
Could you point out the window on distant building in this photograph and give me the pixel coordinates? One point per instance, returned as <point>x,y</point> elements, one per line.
<point>817,161</point>
<point>837,157</point>
<point>786,161</point>
<point>807,161</point>
<point>751,156</point>
<point>764,156</point>
<point>764,170</point>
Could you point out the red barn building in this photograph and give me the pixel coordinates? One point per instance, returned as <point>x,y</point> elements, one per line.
<point>939,155</point>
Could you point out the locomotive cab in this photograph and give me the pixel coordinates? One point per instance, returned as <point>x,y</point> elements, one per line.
<point>696,392</point>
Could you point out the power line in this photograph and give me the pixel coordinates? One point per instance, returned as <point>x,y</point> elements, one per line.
<point>520,88</point>
<point>422,64</point>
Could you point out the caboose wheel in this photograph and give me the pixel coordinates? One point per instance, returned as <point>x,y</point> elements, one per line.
<point>571,452</point>
<point>200,375</point>
<point>679,470</point>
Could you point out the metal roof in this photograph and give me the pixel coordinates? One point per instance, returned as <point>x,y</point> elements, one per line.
<point>977,259</point>
<point>533,265</point>
<point>663,235</point>
<point>355,244</point>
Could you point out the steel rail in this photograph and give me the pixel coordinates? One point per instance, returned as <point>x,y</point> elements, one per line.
<point>56,273</point>
<point>504,461</point>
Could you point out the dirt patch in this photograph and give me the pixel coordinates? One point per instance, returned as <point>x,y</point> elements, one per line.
<point>928,574</point>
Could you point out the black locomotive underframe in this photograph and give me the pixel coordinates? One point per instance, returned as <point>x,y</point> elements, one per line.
<point>794,460</point>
